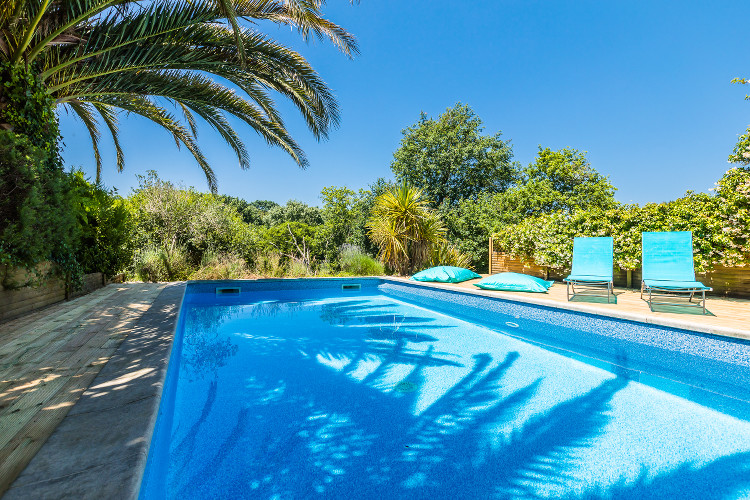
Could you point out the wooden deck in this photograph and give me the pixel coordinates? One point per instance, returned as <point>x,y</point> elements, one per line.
<point>49,358</point>
<point>723,312</point>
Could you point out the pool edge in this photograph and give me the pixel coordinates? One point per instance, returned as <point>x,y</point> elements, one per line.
<point>586,309</point>
<point>138,471</point>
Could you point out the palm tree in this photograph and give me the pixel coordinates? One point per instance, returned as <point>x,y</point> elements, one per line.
<point>159,59</point>
<point>404,228</point>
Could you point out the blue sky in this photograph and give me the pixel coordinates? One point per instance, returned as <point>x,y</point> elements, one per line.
<point>643,87</point>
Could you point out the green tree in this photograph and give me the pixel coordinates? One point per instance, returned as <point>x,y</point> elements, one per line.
<point>252,212</point>
<point>741,152</point>
<point>560,180</point>
<point>296,241</point>
<point>341,213</point>
<point>404,228</point>
<point>556,181</point>
<point>470,225</point>
<point>450,159</point>
<point>346,214</point>
<point>293,211</point>
<point>99,57</point>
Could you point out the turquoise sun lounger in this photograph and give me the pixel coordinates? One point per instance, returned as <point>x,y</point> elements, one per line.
<point>592,267</point>
<point>668,267</point>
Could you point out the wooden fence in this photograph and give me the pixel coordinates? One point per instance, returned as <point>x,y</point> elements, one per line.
<point>728,281</point>
<point>15,302</point>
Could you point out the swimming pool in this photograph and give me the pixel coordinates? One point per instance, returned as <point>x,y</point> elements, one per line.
<point>383,389</point>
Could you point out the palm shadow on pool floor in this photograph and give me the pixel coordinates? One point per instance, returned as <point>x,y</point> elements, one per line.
<point>306,431</point>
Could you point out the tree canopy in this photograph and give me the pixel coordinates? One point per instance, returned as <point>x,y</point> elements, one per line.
<point>741,152</point>
<point>559,180</point>
<point>451,160</point>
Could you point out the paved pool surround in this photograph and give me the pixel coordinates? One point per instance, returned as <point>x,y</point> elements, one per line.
<point>100,449</point>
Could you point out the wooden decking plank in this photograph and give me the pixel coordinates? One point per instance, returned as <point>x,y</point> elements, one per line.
<point>16,460</point>
<point>39,325</point>
<point>17,452</point>
<point>12,390</point>
<point>78,309</point>
<point>36,395</point>
<point>42,347</point>
<point>12,425</point>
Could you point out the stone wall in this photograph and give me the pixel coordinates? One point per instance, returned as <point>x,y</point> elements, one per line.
<point>17,301</point>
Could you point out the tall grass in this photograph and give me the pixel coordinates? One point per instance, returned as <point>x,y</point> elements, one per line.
<point>356,262</point>
<point>268,265</point>
<point>158,264</point>
<point>217,266</point>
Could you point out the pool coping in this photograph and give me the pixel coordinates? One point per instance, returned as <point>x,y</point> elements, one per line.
<point>134,439</point>
<point>721,331</point>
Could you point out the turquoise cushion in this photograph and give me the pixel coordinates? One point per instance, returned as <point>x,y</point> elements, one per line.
<point>445,274</point>
<point>514,282</point>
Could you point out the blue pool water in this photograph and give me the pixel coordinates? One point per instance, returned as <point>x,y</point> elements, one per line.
<point>302,390</point>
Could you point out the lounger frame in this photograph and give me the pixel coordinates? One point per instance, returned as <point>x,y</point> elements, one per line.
<point>589,287</point>
<point>654,291</point>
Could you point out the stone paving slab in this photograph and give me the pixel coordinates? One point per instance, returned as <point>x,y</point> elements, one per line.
<point>100,447</point>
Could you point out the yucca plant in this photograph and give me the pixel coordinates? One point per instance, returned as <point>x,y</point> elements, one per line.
<point>445,254</point>
<point>404,228</point>
<point>160,59</point>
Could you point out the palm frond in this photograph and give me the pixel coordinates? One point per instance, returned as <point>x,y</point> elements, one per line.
<point>189,118</point>
<point>304,15</point>
<point>137,56</point>
<point>142,106</point>
<point>110,119</point>
<point>85,112</point>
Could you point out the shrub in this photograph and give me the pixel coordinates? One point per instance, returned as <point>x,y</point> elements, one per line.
<point>36,220</point>
<point>156,264</point>
<point>355,262</point>
<point>718,224</point>
<point>105,227</point>
<point>216,266</point>
<point>167,217</point>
